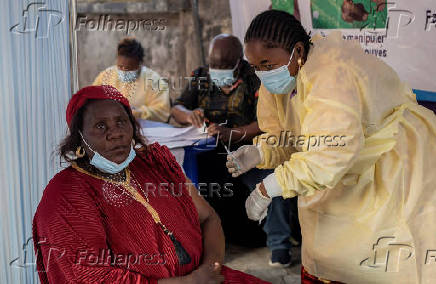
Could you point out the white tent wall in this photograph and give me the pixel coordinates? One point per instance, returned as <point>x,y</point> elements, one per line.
<point>243,11</point>
<point>35,88</point>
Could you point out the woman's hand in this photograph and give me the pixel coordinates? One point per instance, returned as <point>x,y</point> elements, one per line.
<point>207,273</point>
<point>196,117</point>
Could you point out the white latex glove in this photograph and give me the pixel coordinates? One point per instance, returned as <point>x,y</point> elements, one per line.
<point>256,205</point>
<point>272,186</point>
<point>243,159</point>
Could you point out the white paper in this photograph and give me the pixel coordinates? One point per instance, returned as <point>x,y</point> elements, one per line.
<point>175,137</point>
<point>165,132</point>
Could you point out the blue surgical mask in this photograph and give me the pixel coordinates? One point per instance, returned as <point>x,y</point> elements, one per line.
<point>223,77</point>
<point>128,76</point>
<point>107,166</point>
<point>279,80</point>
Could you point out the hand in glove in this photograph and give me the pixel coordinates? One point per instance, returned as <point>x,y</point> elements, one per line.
<point>257,204</point>
<point>243,160</point>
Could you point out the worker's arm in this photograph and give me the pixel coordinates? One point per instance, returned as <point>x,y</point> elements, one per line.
<point>273,152</point>
<point>334,136</point>
<point>156,105</point>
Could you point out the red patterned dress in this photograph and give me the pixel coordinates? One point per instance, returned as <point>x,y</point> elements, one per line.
<point>88,230</point>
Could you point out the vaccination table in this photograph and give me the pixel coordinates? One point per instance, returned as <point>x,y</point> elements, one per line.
<point>185,148</point>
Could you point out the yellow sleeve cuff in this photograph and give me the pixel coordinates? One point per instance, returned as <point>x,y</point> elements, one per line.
<point>287,189</point>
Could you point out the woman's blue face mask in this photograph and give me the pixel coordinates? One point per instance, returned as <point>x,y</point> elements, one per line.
<point>279,80</point>
<point>107,166</point>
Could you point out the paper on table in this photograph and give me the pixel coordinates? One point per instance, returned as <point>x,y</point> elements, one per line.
<point>153,124</point>
<point>165,132</point>
<point>175,137</point>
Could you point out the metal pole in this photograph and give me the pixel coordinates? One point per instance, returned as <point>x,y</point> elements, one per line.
<point>74,75</point>
<point>197,31</point>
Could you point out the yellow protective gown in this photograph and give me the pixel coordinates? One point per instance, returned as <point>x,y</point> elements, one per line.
<point>367,192</point>
<point>149,94</point>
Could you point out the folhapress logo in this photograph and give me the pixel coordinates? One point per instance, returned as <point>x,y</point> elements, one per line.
<point>388,255</point>
<point>37,19</point>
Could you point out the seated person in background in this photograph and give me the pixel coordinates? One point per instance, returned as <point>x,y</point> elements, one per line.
<point>227,100</point>
<point>108,219</point>
<point>223,94</point>
<point>147,92</point>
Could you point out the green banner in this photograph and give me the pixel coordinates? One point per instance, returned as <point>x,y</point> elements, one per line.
<point>284,5</point>
<point>348,14</point>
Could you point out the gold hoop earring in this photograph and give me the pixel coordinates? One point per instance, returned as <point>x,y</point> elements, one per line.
<point>300,63</point>
<point>80,152</point>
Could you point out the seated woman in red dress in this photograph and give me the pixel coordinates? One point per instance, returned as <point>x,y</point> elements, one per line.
<point>123,212</point>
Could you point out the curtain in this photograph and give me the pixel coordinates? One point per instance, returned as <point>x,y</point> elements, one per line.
<point>35,88</point>
<point>243,11</point>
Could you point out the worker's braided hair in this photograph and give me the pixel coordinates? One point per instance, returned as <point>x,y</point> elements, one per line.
<point>277,29</point>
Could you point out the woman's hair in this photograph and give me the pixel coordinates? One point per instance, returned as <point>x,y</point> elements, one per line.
<point>130,47</point>
<point>73,140</point>
<point>277,29</point>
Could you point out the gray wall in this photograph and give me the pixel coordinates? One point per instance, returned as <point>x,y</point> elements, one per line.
<point>170,50</point>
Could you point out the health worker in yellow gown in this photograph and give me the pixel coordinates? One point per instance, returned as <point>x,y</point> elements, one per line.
<point>346,136</point>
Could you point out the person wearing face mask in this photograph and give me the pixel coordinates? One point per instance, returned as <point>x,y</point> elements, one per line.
<point>224,95</point>
<point>123,211</point>
<point>146,91</point>
<point>355,147</point>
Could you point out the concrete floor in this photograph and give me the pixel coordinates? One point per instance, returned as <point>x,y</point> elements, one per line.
<point>255,262</point>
